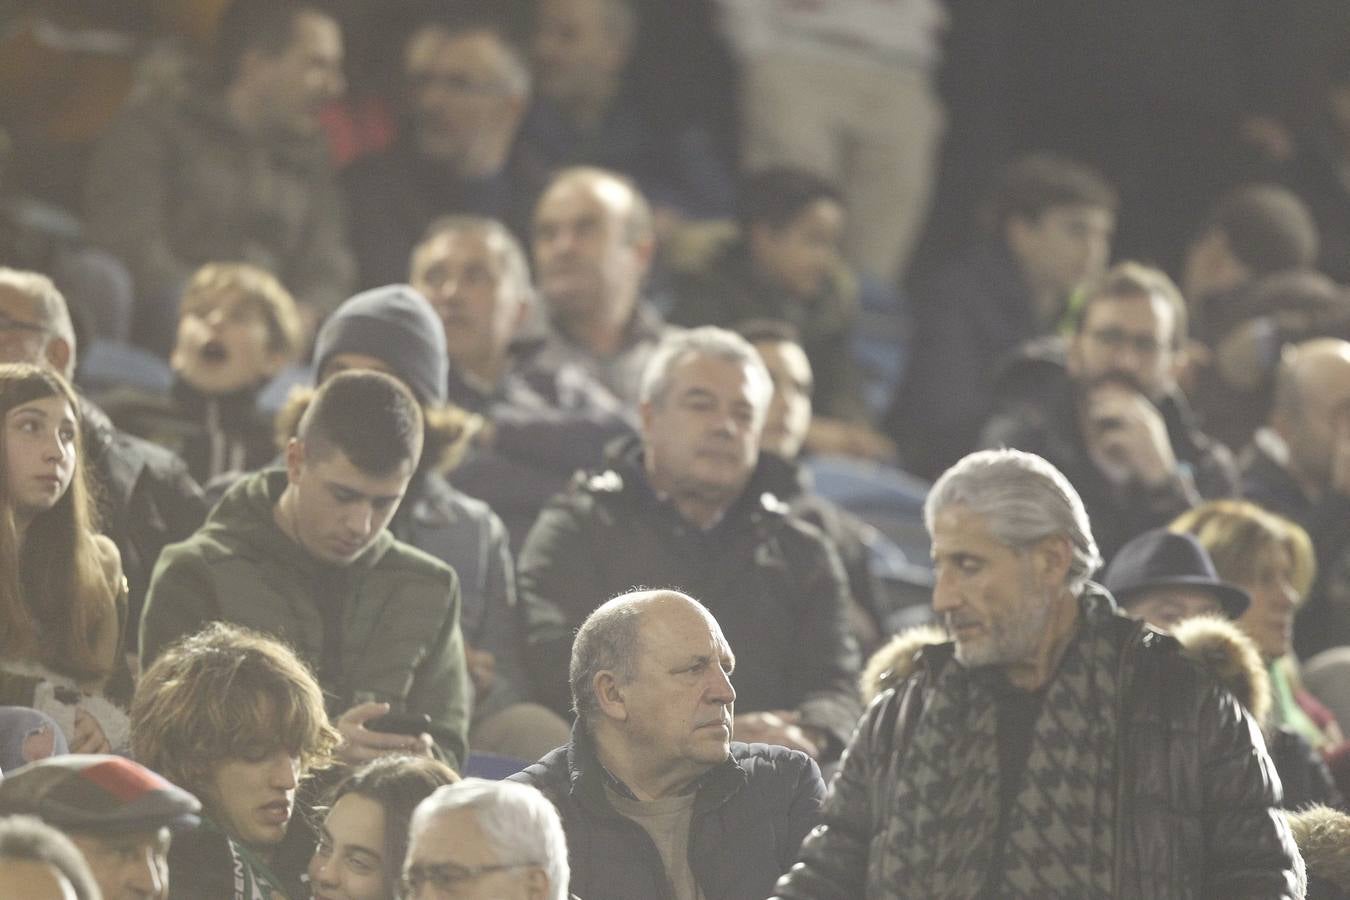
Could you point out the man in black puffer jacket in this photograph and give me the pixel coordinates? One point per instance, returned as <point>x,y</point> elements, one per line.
<point>688,508</point>
<point>656,799</point>
<point>1054,747</point>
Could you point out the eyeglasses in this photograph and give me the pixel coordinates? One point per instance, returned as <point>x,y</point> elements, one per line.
<point>9,323</point>
<point>443,879</point>
<point>1116,339</point>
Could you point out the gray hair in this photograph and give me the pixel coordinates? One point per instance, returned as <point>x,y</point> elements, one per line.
<point>51,307</point>
<point>519,822</point>
<point>1022,499</point>
<point>498,237</point>
<point>610,641</point>
<point>29,838</point>
<point>710,341</point>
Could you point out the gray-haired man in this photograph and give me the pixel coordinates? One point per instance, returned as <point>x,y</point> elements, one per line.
<point>687,507</point>
<point>656,798</point>
<point>1053,747</point>
<point>479,838</point>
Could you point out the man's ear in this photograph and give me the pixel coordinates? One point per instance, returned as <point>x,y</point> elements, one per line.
<point>536,884</point>
<point>59,355</point>
<point>1052,556</point>
<point>295,459</point>
<point>609,695</point>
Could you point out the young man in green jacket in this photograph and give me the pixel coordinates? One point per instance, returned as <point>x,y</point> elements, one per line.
<point>304,555</point>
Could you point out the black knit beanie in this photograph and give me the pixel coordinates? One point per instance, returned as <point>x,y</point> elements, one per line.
<point>397,325</point>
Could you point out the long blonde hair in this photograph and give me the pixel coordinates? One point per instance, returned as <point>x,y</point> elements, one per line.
<point>54,593</point>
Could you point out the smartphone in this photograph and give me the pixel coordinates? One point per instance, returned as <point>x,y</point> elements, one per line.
<point>411,724</point>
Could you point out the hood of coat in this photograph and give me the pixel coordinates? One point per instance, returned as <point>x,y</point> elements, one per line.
<point>242,523</point>
<point>1219,647</point>
<point>1323,838</point>
<point>897,659</point>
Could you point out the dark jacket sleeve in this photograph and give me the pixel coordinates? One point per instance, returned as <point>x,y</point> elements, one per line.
<point>440,687</point>
<point>804,813</point>
<point>500,632</point>
<point>827,675</point>
<point>558,587</point>
<point>181,600</point>
<point>834,857</point>
<point>1250,851</point>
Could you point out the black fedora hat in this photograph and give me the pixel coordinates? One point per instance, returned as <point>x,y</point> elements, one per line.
<point>1159,558</point>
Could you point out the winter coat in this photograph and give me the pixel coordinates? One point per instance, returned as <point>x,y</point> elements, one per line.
<point>1197,792</point>
<point>174,183</point>
<point>1037,412</point>
<point>750,816</point>
<point>466,535</point>
<point>775,585</point>
<point>393,612</point>
<point>146,501</point>
<point>212,434</point>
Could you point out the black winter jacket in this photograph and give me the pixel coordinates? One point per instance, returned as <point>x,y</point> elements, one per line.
<point>146,501</point>
<point>750,816</point>
<point>1198,795</point>
<point>774,583</point>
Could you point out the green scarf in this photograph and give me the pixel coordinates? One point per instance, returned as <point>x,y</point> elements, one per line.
<point>1061,831</point>
<point>250,877</point>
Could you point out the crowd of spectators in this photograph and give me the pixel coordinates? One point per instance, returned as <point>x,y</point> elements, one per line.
<point>470,448</point>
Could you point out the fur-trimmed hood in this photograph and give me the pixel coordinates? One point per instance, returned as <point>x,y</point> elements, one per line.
<point>1215,644</point>
<point>1323,838</point>
<point>894,661</point>
<point>1219,647</point>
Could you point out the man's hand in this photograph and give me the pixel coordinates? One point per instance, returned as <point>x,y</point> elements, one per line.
<point>779,726</point>
<point>361,745</point>
<point>89,737</point>
<point>1126,436</point>
<point>482,666</point>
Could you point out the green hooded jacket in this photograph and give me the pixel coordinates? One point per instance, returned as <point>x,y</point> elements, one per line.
<point>399,638</point>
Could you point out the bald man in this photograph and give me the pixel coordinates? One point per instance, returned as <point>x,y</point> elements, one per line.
<point>1298,465</point>
<point>593,243</point>
<point>652,773</point>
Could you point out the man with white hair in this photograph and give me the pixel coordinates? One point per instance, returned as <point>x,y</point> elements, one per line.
<point>687,507</point>
<point>478,838</point>
<point>1054,747</point>
<point>656,798</point>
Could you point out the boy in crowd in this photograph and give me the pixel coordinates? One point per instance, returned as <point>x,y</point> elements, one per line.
<point>237,719</point>
<point>237,328</point>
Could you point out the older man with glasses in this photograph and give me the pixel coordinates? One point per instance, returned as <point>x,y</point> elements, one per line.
<point>481,838</point>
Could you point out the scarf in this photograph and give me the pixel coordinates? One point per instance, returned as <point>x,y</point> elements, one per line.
<point>1061,829</point>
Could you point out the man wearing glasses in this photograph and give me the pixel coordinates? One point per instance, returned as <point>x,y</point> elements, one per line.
<point>479,838</point>
<point>1107,411</point>
<point>466,85</point>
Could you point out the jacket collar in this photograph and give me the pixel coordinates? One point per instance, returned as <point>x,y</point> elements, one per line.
<point>244,515</point>
<point>627,474</point>
<point>587,778</point>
